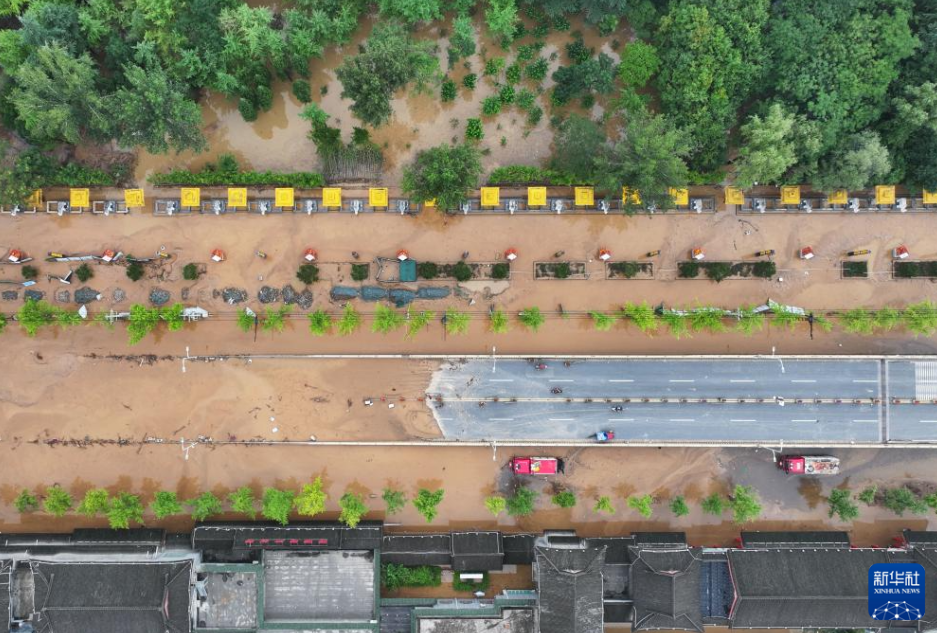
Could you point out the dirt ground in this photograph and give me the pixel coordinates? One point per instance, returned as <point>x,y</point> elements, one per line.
<point>277,140</point>
<point>432,237</point>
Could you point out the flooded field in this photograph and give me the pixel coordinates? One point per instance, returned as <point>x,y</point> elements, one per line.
<point>277,140</point>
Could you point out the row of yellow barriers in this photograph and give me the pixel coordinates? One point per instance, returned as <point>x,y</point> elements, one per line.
<point>490,197</point>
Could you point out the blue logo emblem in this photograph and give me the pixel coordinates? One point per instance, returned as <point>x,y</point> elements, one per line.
<point>896,591</point>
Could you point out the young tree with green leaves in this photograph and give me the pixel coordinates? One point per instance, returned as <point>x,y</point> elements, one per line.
<point>352,509</point>
<point>531,318</point>
<point>426,503</point>
<point>642,315</point>
<point>745,504</point>
<point>410,11</point>
<point>275,319</point>
<point>245,320</point>
<point>386,319</point>
<point>26,502</point>
<point>204,505</point>
<point>277,504</point>
<point>750,321</point>
<point>867,496</point>
<point>165,504</point>
<point>841,505</point>
<point>604,504</point>
<point>462,40</point>
<point>350,321</point>
<point>311,499</point>
<point>679,507</point>
<point>395,500</point>
<point>457,322</point>
<point>602,322</point>
<point>857,162</point>
<point>767,150</point>
<point>58,501</point>
<point>495,504</point>
<point>577,142</point>
<point>521,503</point>
<point>124,509</point>
<point>501,17</point>
<point>714,504</point>
<point>320,322</point>
<point>443,173</point>
<point>96,501</point>
<point>901,500</point>
<point>418,321</point>
<point>242,501</point>
<point>141,322</point>
<point>643,504</point>
<point>639,63</point>
<point>920,318</point>
<point>564,499</point>
<point>498,321</point>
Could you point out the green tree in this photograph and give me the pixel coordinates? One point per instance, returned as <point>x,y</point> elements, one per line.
<point>141,322</point>
<point>58,501</point>
<point>860,161</point>
<point>920,318</point>
<point>604,504</point>
<point>714,504</point>
<point>648,157</point>
<point>320,322</point>
<point>642,315</point>
<point>350,321</point>
<point>56,96</point>
<point>26,502</point>
<point>576,144</point>
<point>446,174</point>
<point>457,322</point>
<point>352,509</point>
<point>245,320</point>
<point>388,61</point>
<point>242,501</point>
<point>867,496</point>
<point>564,499</point>
<point>498,322</point>
<point>462,40</point>
<point>521,503</point>
<point>276,505</point>
<point>411,11</point>
<point>767,151</point>
<point>165,504</point>
<point>426,503</point>
<point>531,318</point>
<point>302,91</point>
<point>418,321</point>
<point>842,505</point>
<point>679,506</point>
<point>96,501</point>
<point>275,318</point>
<point>34,315</point>
<point>124,509</point>
<point>153,111</point>
<point>311,499</point>
<point>204,506</point>
<point>901,500</point>
<point>386,319</point>
<point>643,504</point>
<point>395,500</point>
<point>500,17</point>
<point>495,504</point>
<point>745,504</point>
<point>639,63</point>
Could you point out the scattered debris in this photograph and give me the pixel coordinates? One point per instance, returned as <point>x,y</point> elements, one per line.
<point>10,295</point>
<point>233,296</point>
<point>63,296</point>
<point>86,295</point>
<point>268,294</point>
<point>119,295</point>
<point>35,295</point>
<point>159,297</point>
<point>302,299</point>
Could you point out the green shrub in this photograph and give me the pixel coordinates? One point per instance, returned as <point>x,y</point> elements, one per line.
<point>470,81</point>
<point>867,496</point>
<point>643,504</point>
<point>226,172</point>
<point>841,505</point>
<point>462,271</point>
<point>427,502</point>
<point>26,502</point>
<point>507,95</point>
<point>491,106</point>
<point>394,499</point>
<point>564,499</point>
<point>537,70</point>
<point>526,99</point>
<point>360,272</point>
<point>901,500</point>
<point>521,504</point>
<point>245,321</point>
<point>165,504</point>
<point>714,504</point>
<point>467,585</point>
<point>531,318</point>
<point>679,507</point>
<point>448,90</point>
<point>495,504</point>
<point>501,270</point>
<point>765,270</point>
<point>626,269</point>
<point>58,501</point>
<point>604,504</point>
<point>84,273</point>
<point>427,270</point>
<point>308,273</point>
<point>190,272</point>
<point>474,130</point>
<point>577,51</point>
<point>242,501</point>
<point>247,109</point>
<point>395,576</point>
<point>124,509</point>
<point>522,175</point>
<point>513,73</point>
<point>534,116</point>
<point>688,270</point>
<point>29,272</point>
<point>302,91</point>
<point>561,270</point>
<point>135,271</point>
<point>717,271</point>
<point>204,506</point>
<point>320,322</point>
<point>493,66</point>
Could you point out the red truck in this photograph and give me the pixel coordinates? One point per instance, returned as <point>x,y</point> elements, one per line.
<point>536,465</point>
<point>809,464</point>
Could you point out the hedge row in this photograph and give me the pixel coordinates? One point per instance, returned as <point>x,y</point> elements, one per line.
<point>184,177</point>
<point>519,175</point>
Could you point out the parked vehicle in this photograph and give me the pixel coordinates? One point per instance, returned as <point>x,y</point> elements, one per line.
<point>604,436</point>
<point>809,464</point>
<point>536,465</point>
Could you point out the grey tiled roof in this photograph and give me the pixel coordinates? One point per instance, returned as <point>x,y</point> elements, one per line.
<point>570,584</point>
<point>666,590</point>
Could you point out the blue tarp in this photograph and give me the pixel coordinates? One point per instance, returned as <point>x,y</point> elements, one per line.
<point>433,292</point>
<point>402,297</point>
<point>373,293</point>
<point>343,293</point>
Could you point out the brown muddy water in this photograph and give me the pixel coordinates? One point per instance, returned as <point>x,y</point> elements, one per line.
<point>277,140</point>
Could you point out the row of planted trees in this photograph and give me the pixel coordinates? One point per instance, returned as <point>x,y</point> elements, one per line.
<point>844,503</point>
<point>743,502</point>
<point>919,319</point>
<point>121,509</point>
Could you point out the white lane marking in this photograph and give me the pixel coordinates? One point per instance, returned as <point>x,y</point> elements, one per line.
<point>741,380</point>
<point>682,420</point>
<point>500,419</point>
<point>865,420</point>
<point>620,380</point>
<point>681,380</point>
<point>621,419</point>
<point>501,380</point>
<point>743,420</point>
<point>562,419</point>
<point>872,381</point>
<point>928,421</point>
<point>445,419</point>
<point>803,380</point>
<point>804,420</point>
<point>561,380</point>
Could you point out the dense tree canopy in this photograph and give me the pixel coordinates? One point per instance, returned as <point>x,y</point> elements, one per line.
<point>767,150</point>
<point>445,174</point>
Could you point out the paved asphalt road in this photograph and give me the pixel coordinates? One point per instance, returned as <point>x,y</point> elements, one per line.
<point>541,414</point>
